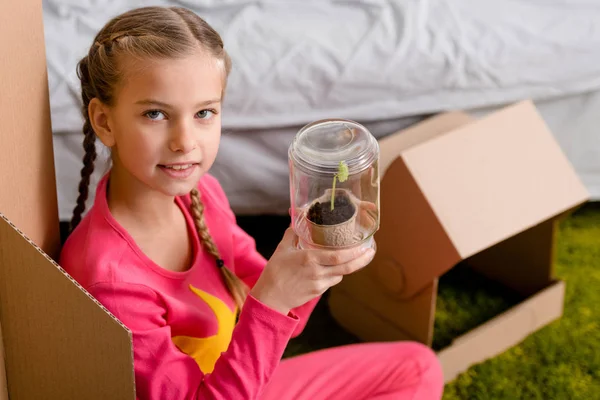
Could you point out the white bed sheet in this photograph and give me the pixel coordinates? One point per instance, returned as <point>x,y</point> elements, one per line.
<point>297,61</point>
<point>262,186</point>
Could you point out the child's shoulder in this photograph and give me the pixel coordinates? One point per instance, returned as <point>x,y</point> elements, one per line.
<point>91,252</point>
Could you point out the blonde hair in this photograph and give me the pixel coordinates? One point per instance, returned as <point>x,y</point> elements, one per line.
<point>147,32</point>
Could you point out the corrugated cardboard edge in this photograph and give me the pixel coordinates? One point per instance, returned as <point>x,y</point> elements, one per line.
<point>80,342</point>
<point>503,331</point>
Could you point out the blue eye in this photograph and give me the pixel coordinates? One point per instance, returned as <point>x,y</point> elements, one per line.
<point>155,115</point>
<point>205,114</point>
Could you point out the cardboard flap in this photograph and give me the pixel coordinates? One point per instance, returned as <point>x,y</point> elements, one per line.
<point>524,262</point>
<point>412,246</point>
<point>28,194</point>
<point>498,176</point>
<point>392,146</point>
<point>60,343</point>
<point>503,332</point>
<point>409,228</point>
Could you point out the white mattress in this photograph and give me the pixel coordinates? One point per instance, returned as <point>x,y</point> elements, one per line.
<point>297,60</point>
<point>367,60</point>
<point>264,186</point>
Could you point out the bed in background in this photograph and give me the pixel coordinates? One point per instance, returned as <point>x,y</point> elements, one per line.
<point>386,64</point>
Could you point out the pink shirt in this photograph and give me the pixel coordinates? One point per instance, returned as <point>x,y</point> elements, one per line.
<point>185,340</point>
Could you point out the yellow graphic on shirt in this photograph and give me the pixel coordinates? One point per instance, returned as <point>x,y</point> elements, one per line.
<point>207,350</point>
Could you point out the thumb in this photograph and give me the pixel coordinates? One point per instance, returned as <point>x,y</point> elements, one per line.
<point>289,238</point>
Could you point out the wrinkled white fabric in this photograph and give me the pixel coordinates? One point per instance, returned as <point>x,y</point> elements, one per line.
<point>297,61</point>
<point>380,62</point>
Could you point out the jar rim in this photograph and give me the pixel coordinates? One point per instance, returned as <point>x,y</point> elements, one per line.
<point>359,150</point>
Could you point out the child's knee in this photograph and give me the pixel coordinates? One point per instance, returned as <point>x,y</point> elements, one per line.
<point>421,353</point>
<point>428,363</point>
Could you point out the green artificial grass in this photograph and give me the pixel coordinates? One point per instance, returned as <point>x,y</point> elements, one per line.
<point>560,361</point>
<point>465,300</point>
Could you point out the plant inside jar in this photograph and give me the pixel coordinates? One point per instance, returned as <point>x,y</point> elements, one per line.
<point>333,215</point>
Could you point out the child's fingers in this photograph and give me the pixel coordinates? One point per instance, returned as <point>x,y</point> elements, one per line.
<point>334,280</point>
<point>289,239</point>
<point>368,205</point>
<point>337,257</point>
<point>350,266</point>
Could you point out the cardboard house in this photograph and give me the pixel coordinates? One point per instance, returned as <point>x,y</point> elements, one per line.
<point>452,189</point>
<point>485,192</point>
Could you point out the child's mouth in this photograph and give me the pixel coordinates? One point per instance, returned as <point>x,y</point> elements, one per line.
<point>177,167</point>
<point>178,171</point>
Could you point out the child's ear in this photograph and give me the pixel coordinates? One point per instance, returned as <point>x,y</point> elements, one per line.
<point>99,115</point>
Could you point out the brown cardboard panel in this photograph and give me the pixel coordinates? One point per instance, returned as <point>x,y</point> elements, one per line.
<point>28,194</point>
<point>495,177</point>
<point>393,145</point>
<point>414,316</point>
<point>59,342</point>
<point>412,245</point>
<point>355,317</point>
<point>504,331</point>
<point>3,386</point>
<point>523,262</point>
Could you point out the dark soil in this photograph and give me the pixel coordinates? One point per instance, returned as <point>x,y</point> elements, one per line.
<point>321,214</point>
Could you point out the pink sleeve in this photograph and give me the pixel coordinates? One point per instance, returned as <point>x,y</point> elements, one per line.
<point>163,372</point>
<point>248,262</point>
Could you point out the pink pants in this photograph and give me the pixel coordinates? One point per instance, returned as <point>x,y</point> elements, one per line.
<point>395,370</point>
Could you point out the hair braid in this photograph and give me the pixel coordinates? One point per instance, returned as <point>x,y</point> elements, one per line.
<point>237,288</point>
<point>89,146</point>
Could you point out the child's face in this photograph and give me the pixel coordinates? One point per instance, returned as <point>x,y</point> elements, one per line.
<point>166,122</point>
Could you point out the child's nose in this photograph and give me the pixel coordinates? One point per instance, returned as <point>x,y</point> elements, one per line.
<point>183,139</point>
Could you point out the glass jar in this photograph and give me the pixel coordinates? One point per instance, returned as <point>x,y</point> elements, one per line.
<point>334,185</point>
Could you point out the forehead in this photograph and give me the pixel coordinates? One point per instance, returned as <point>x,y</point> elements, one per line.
<point>177,81</point>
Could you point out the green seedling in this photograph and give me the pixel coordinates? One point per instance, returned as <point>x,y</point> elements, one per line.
<point>342,175</point>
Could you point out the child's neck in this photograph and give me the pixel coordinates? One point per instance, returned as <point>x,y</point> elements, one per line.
<point>131,200</point>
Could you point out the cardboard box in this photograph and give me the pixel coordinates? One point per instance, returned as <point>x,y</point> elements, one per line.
<point>484,192</point>
<point>57,342</point>
<point>27,167</point>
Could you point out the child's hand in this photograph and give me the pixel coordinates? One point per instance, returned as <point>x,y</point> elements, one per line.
<point>294,276</point>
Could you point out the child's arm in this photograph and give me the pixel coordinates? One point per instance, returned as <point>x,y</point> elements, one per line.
<point>248,262</point>
<point>162,371</point>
